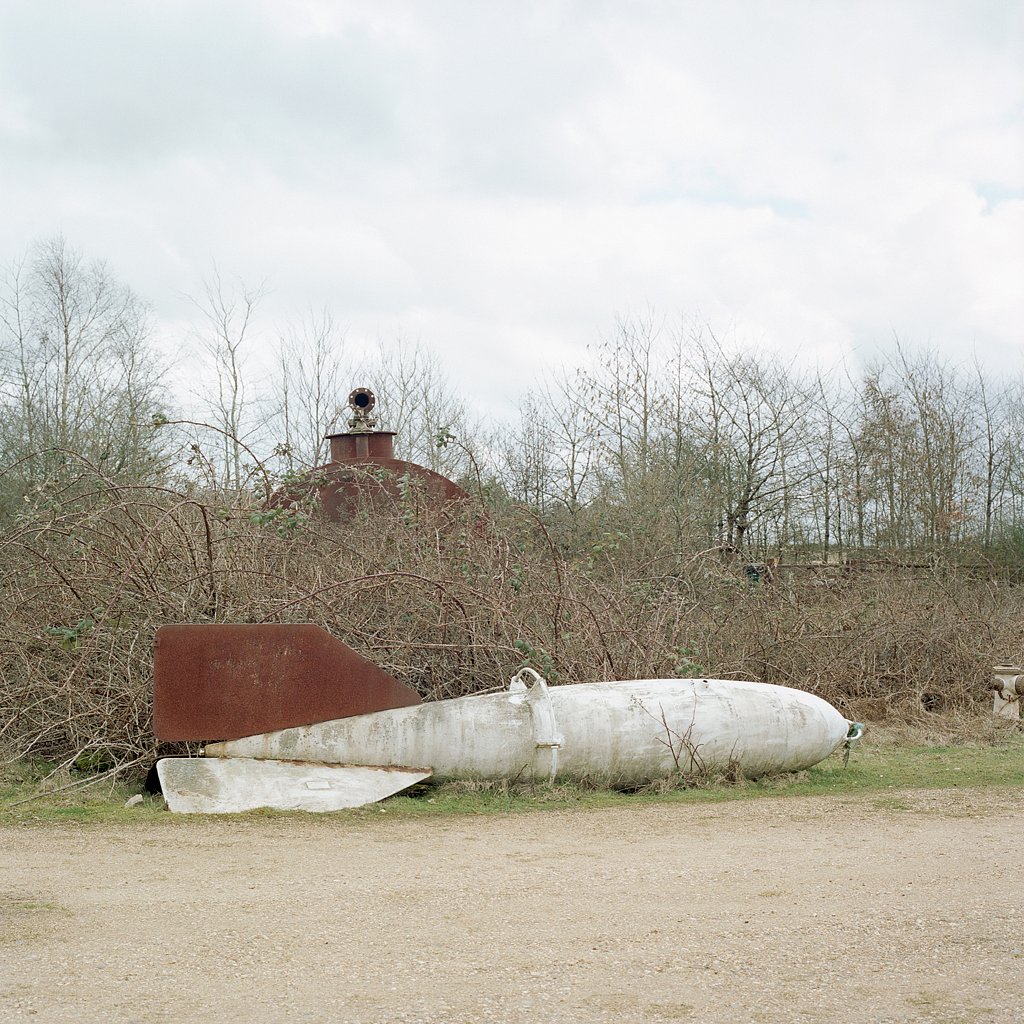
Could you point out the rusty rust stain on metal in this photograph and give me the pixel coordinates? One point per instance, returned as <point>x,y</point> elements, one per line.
<point>215,682</point>
<point>378,485</point>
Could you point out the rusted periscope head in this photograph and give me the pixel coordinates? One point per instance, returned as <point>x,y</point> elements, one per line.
<point>362,441</point>
<point>218,682</point>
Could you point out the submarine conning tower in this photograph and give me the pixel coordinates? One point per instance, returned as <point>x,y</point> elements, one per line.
<point>363,467</point>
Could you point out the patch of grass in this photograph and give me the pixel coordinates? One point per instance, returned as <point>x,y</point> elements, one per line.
<point>25,916</point>
<point>37,791</point>
<point>874,768</point>
<point>871,769</point>
<point>13,905</point>
<point>884,768</point>
<point>893,803</point>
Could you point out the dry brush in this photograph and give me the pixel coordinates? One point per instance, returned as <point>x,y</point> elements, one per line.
<point>452,600</point>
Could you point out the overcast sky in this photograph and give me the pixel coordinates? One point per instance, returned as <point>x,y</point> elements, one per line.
<point>500,180</point>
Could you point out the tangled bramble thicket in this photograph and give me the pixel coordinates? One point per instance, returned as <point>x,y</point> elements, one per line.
<point>451,600</point>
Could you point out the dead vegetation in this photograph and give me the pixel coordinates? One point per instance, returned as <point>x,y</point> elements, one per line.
<point>451,600</point>
<point>677,505</point>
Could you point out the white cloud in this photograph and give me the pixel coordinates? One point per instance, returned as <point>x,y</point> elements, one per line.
<point>502,179</point>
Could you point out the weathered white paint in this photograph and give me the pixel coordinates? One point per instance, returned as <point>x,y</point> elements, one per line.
<point>193,785</point>
<point>611,732</point>
<point>1007,690</point>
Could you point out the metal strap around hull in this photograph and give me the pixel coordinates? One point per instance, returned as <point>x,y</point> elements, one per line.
<point>547,739</point>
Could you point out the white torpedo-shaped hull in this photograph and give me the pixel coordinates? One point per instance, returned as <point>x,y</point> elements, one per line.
<point>617,733</point>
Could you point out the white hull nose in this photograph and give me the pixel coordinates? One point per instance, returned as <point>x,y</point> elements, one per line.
<point>613,732</point>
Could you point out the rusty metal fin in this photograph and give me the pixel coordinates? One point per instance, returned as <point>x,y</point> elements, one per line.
<point>219,682</point>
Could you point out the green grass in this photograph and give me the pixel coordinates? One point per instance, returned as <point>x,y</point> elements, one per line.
<point>30,791</point>
<point>881,769</point>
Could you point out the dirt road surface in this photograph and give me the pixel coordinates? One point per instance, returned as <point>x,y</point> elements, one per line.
<point>905,907</point>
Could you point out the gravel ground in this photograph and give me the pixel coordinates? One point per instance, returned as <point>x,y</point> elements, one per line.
<point>904,907</point>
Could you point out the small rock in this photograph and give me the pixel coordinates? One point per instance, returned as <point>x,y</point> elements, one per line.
<point>133,801</point>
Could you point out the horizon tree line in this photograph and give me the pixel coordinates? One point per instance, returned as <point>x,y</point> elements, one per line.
<point>666,440</point>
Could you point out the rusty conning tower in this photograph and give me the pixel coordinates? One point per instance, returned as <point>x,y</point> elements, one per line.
<point>363,467</point>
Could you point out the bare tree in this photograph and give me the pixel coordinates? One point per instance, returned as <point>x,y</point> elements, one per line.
<point>622,397</point>
<point>1011,502</point>
<point>417,400</point>
<point>750,415</point>
<point>529,471</point>
<point>78,369</point>
<point>308,392</point>
<point>574,448</point>
<point>943,409</point>
<point>823,443</point>
<point>549,456</point>
<point>994,402</point>
<point>227,396</point>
